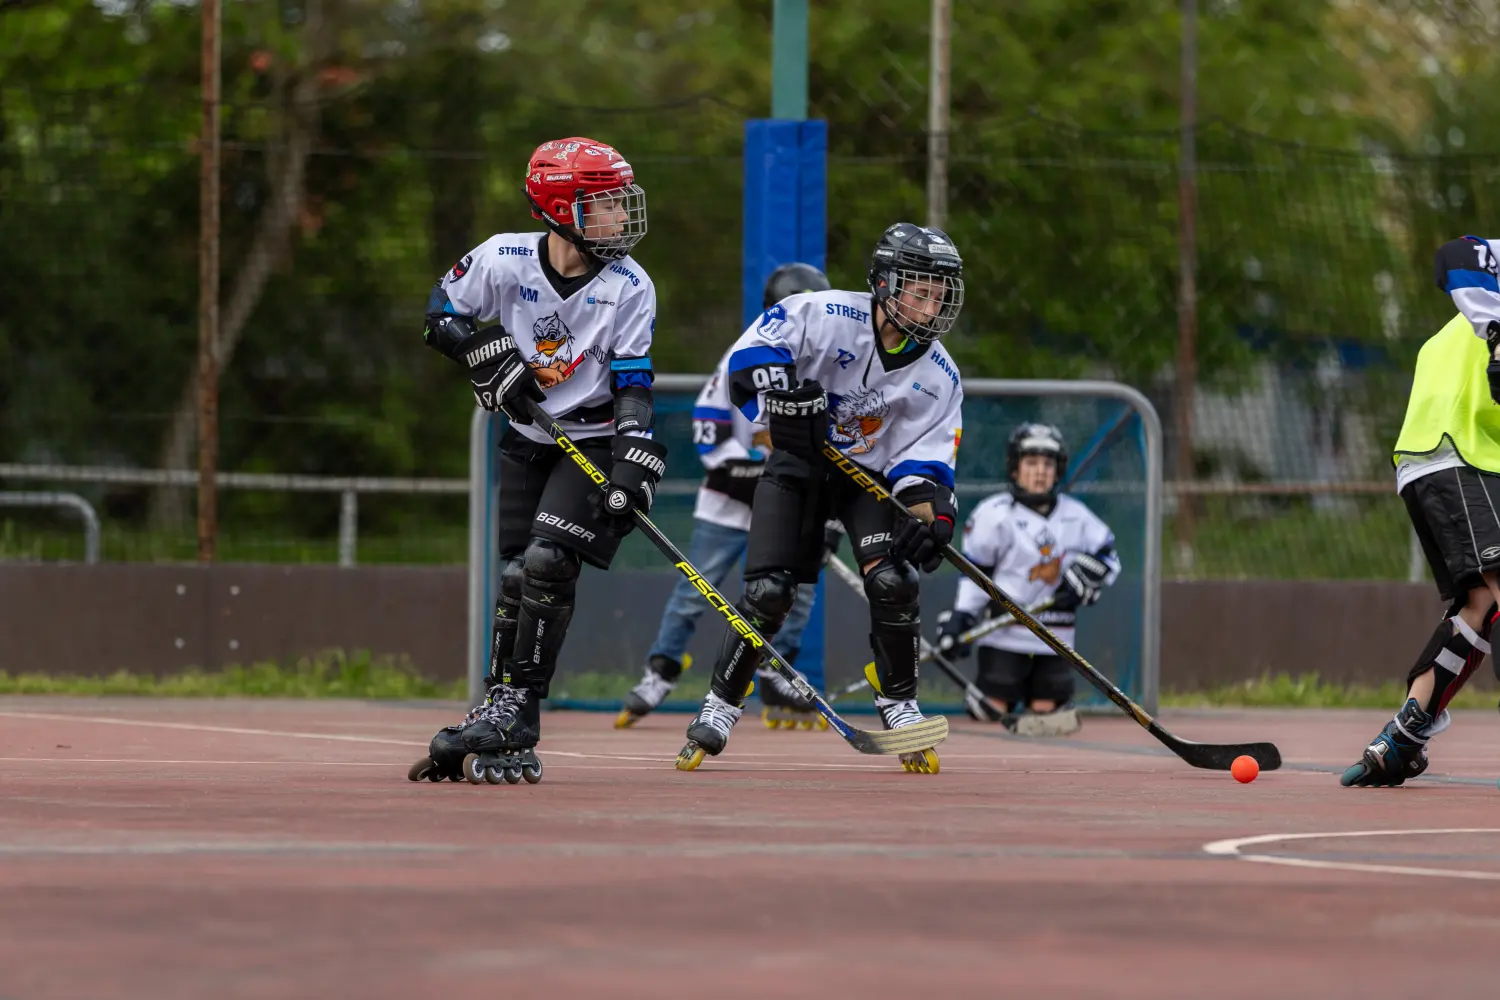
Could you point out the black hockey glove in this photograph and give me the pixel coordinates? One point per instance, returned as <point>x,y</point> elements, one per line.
<point>1082,583</point>
<point>919,542</point>
<point>798,420</point>
<point>639,464</point>
<point>501,377</point>
<point>951,625</point>
<point>1492,370</point>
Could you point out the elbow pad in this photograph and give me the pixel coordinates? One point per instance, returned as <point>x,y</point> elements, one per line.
<point>634,411</point>
<point>445,330</point>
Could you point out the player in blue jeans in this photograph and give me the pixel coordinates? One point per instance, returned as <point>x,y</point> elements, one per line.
<point>733,455</point>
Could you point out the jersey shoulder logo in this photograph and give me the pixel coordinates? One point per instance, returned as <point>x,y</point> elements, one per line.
<point>771,321</point>
<point>857,419</point>
<point>553,359</point>
<point>461,268</point>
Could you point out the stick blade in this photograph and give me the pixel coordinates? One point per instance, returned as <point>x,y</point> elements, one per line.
<point>1218,756</point>
<point>908,739</point>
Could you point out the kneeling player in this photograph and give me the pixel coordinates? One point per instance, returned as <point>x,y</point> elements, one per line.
<point>1038,545</point>
<point>733,451</point>
<point>863,370</point>
<point>1447,460</point>
<point>584,311</point>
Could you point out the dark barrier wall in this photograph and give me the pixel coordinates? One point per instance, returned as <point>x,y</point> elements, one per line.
<point>64,618</point>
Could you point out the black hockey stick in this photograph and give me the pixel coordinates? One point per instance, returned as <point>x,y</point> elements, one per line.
<point>1211,756</point>
<point>908,739</point>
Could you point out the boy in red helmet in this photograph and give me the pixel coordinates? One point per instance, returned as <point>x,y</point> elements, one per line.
<point>564,317</point>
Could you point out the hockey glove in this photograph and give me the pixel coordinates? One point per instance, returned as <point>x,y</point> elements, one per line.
<point>798,420</point>
<point>1082,583</point>
<point>951,625</point>
<point>639,464</point>
<point>921,542</point>
<point>501,377</point>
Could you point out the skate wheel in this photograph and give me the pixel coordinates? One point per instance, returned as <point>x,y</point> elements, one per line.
<point>822,724</point>
<point>423,768</point>
<point>923,762</point>
<point>765,717</point>
<point>512,775</point>
<point>625,719</point>
<point>806,724</point>
<point>473,771</point>
<point>492,775</point>
<point>532,773</point>
<point>690,757</point>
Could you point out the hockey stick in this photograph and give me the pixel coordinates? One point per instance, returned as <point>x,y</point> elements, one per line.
<point>930,653</point>
<point>1212,756</point>
<point>908,739</point>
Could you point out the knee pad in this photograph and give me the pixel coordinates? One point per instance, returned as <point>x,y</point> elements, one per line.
<point>998,680</point>
<point>549,567</point>
<point>769,598</point>
<point>895,592</point>
<point>1452,654</point>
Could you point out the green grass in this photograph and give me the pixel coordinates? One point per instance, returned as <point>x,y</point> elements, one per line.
<point>1311,691</point>
<point>330,674</point>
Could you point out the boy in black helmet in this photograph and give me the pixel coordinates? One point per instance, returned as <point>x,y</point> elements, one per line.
<point>1038,545</point>
<point>864,371</point>
<point>734,452</point>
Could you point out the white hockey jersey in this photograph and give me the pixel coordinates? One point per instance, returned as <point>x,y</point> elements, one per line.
<point>900,415</point>
<point>726,445</point>
<point>1027,554</point>
<point>581,347</point>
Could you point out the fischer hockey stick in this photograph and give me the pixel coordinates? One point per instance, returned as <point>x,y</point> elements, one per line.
<point>909,739</point>
<point>1211,756</point>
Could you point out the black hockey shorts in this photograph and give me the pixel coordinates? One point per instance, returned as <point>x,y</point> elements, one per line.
<point>1454,514</point>
<point>543,493</point>
<point>786,522</point>
<point>1018,679</point>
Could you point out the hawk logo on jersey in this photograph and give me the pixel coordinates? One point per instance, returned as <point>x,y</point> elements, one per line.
<point>1049,569</point>
<point>461,268</point>
<point>857,419</point>
<point>553,361</point>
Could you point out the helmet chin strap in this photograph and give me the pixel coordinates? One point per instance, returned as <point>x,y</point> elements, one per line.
<point>567,232</point>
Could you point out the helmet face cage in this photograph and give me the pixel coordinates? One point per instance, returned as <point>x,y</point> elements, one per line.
<point>923,305</point>
<point>611,222</point>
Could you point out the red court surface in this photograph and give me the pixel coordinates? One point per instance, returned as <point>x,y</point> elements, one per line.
<point>276,849</point>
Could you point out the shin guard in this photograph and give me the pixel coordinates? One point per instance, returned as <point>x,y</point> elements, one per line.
<point>766,602</point>
<point>895,626</point>
<point>507,620</point>
<point>1453,653</point>
<point>550,580</point>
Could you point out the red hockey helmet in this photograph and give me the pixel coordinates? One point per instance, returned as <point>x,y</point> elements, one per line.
<point>586,191</point>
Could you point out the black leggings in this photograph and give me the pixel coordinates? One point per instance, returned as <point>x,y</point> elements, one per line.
<point>1018,679</point>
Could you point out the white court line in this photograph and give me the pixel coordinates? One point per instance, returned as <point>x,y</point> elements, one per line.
<point>1231,848</point>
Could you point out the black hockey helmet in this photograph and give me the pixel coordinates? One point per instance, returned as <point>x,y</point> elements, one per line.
<point>1035,439</point>
<point>914,258</point>
<point>789,279</point>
